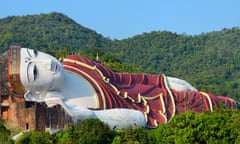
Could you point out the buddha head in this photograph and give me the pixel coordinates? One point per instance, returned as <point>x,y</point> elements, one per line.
<point>40,71</point>
<point>33,73</point>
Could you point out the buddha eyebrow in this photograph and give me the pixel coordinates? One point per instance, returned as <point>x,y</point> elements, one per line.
<point>29,53</point>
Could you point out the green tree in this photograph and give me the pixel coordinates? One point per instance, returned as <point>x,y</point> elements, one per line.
<point>35,137</point>
<point>93,131</point>
<point>210,127</point>
<point>89,131</point>
<point>4,134</point>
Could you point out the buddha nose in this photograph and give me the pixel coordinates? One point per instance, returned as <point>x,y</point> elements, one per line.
<point>48,63</point>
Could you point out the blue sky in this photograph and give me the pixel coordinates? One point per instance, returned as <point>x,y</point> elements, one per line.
<point>119,19</point>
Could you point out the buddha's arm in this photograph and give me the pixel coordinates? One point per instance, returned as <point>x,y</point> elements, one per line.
<point>115,118</point>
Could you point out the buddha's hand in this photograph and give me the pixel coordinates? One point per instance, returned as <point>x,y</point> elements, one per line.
<point>53,98</point>
<point>52,101</point>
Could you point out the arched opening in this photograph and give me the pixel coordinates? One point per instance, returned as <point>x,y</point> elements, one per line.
<point>26,126</point>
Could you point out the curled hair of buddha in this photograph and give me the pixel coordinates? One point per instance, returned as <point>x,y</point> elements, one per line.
<point>10,82</point>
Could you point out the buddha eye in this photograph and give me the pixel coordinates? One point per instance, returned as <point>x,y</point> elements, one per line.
<point>35,52</point>
<point>35,73</point>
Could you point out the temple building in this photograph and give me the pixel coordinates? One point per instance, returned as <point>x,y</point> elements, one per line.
<point>31,115</point>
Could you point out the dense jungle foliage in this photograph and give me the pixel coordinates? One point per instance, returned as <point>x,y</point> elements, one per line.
<point>209,61</point>
<point>220,127</point>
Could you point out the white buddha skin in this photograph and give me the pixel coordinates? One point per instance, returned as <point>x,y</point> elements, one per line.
<point>45,80</point>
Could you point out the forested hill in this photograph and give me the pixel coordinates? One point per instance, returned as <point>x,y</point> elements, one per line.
<point>48,31</point>
<point>210,61</point>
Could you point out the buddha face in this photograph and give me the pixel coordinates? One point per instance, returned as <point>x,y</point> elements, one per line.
<point>40,72</point>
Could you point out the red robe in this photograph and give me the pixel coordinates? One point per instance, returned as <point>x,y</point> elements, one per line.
<point>147,93</point>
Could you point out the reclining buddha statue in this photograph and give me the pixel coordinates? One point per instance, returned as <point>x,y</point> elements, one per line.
<point>87,89</point>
